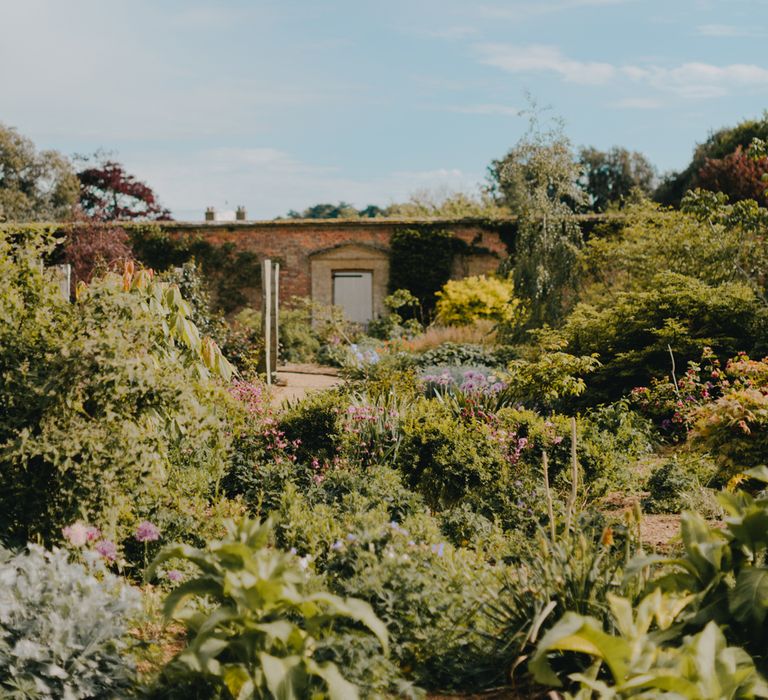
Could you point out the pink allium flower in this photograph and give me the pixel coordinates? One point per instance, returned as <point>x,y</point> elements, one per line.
<point>76,534</point>
<point>107,549</point>
<point>147,532</point>
<point>174,575</point>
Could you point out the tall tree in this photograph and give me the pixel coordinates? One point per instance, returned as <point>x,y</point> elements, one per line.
<point>34,186</point>
<point>109,193</point>
<point>538,181</point>
<point>608,177</point>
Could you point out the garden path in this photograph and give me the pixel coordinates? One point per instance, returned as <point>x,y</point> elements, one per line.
<point>295,381</point>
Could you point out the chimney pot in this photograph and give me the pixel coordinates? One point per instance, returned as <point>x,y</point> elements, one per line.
<point>240,214</point>
<point>210,214</point>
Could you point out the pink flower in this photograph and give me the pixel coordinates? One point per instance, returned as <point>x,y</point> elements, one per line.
<point>76,534</point>
<point>174,575</point>
<point>92,533</point>
<point>147,532</point>
<point>107,549</point>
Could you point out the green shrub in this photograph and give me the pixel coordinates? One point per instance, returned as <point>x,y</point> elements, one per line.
<point>678,484</point>
<point>315,422</point>
<point>449,459</point>
<point>462,302</point>
<point>63,628</point>
<point>106,405</point>
<point>610,440</point>
<point>458,355</point>
<point>257,632</point>
<point>425,590</point>
<point>632,333</point>
<point>549,379</point>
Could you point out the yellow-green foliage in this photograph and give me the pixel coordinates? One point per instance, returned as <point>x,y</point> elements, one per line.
<point>461,302</point>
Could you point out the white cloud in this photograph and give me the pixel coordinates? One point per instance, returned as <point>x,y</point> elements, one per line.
<point>688,80</point>
<point>269,182</point>
<point>541,58</point>
<point>700,80</point>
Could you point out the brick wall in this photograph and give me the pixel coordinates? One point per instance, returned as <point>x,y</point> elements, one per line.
<point>294,242</point>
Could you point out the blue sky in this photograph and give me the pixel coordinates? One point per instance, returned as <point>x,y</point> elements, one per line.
<point>279,105</point>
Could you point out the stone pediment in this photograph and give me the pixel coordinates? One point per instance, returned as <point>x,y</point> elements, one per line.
<point>350,250</point>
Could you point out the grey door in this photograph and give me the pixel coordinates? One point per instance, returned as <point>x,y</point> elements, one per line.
<point>353,292</point>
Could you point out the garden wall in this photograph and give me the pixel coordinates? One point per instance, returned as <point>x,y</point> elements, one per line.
<point>310,251</point>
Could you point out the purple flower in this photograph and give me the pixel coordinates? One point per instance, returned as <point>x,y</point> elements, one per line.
<point>174,575</point>
<point>337,545</point>
<point>107,549</point>
<point>147,532</point>
<point>438,549</point>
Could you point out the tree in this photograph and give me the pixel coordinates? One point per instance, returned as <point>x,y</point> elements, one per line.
<point>609,177</point>
<point>34,186</point>
<point>719,144</point>
<point>441,203</point>
<point>109,193</point>
<point>342,210</point>
<point>739,175</point>
<point>538,181</point>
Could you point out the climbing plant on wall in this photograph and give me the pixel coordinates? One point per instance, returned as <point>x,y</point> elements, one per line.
<point>232,272</point>
<point>420,261</point>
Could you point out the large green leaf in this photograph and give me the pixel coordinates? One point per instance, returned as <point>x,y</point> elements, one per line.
<point>748,601</point>
<point>339,688</point>
<point>584,635</point>
<point>286,676</point>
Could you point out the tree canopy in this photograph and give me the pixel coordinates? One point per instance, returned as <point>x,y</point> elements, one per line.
<point>608,177</point>
<point>34,185</point>
<point>109,193</point>
<point>720,144</point>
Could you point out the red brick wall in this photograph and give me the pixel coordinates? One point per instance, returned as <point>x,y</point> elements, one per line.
<point>292,242</point>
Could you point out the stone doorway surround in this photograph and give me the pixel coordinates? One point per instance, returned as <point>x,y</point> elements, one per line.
<point>349,256</point>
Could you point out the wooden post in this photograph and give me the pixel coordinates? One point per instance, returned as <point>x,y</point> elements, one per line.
<point>64,278</point>
<point>276,314</point>
<point>266,314</point>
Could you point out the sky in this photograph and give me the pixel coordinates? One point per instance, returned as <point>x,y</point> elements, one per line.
<point>278,105</point>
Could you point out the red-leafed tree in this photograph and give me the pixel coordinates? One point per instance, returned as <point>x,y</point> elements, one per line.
<point>92,248</point>
<point>108,193</point>
<point>738,175</point>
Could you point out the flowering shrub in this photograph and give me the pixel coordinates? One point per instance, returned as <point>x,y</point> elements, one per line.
<point>735,429</point>
<point>63,626</point>
<point>675,405</point>
<point>670,403</point>
<point>370,429</point>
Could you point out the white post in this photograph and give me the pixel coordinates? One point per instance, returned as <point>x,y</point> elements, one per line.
<point>64,278</point>
<point>266,310</point>
<point>276,295</point>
